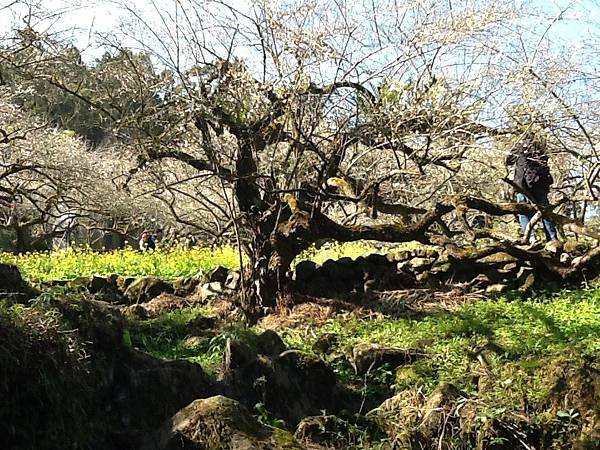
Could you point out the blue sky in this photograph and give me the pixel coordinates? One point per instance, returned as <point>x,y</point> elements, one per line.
<point>570,20</point>
<point>578,19</point>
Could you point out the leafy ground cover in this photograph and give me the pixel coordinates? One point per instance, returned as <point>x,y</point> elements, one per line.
<point>166,264</point>
<point>515,358</point>
<point>506,332</point>
<point>532,361</point>
<point>505,354</point>
<point>167,336</point>
<point>512,338</point>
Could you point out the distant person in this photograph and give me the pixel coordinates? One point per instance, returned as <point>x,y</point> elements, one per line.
<point>532,176</point>
<point>146,241</point>
<point>190,240</point>
<point>156,238</point>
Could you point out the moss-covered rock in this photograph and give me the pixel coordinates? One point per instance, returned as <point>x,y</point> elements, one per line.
<point>48,383</point>
<point>12,285</point>
<point>147,288</point>
<point>411,420</point>
<point>68,379</point>
<point>291,385</point>
<point>185,285</point>
<point>165,303</point>
<point>369,357</point>
<point>217,423</point>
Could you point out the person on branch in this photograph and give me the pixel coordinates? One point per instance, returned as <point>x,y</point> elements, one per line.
<point>532,178</point>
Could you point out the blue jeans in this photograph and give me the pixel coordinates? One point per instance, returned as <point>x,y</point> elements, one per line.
<point>541,197</point>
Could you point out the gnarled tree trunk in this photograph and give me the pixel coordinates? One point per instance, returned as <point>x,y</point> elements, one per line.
<point>278,237</point>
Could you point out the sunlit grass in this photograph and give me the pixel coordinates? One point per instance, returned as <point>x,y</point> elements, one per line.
<point>525,337</point>
<point>165,263</point>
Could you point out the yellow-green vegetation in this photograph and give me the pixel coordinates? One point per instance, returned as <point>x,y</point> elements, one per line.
<point>335,250</point>
<point>167,264</point>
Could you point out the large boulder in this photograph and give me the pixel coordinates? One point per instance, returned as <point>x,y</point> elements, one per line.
<point>98,323</point>
<point>290,385</point>
<point>146,391</point>
<point>146,288</point>
<point>165,303</point>
<point>217,423</point>
<point>418,421</point>
<point>369,357</point>
<point>12,285</point>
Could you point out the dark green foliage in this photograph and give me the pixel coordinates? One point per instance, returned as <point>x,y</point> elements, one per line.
<point>168,336</point>
<point>46,382</point>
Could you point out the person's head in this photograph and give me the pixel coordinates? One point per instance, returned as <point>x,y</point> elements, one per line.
<point>145,235</point>
<point>158,233</point>
<point>531,142</point>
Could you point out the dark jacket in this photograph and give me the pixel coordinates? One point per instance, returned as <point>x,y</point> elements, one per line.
<point>531,166</point>
<point>151,244</point>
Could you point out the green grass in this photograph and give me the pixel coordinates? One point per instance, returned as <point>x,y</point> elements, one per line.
<point>166,337</point>
<point>166,264</point>
<point>528,335</point>
<point>532,340</point>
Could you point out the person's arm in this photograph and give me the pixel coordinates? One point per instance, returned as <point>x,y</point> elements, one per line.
<point>511,159</point>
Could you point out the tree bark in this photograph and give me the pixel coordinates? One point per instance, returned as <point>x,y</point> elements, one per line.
<point>279,236</point>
